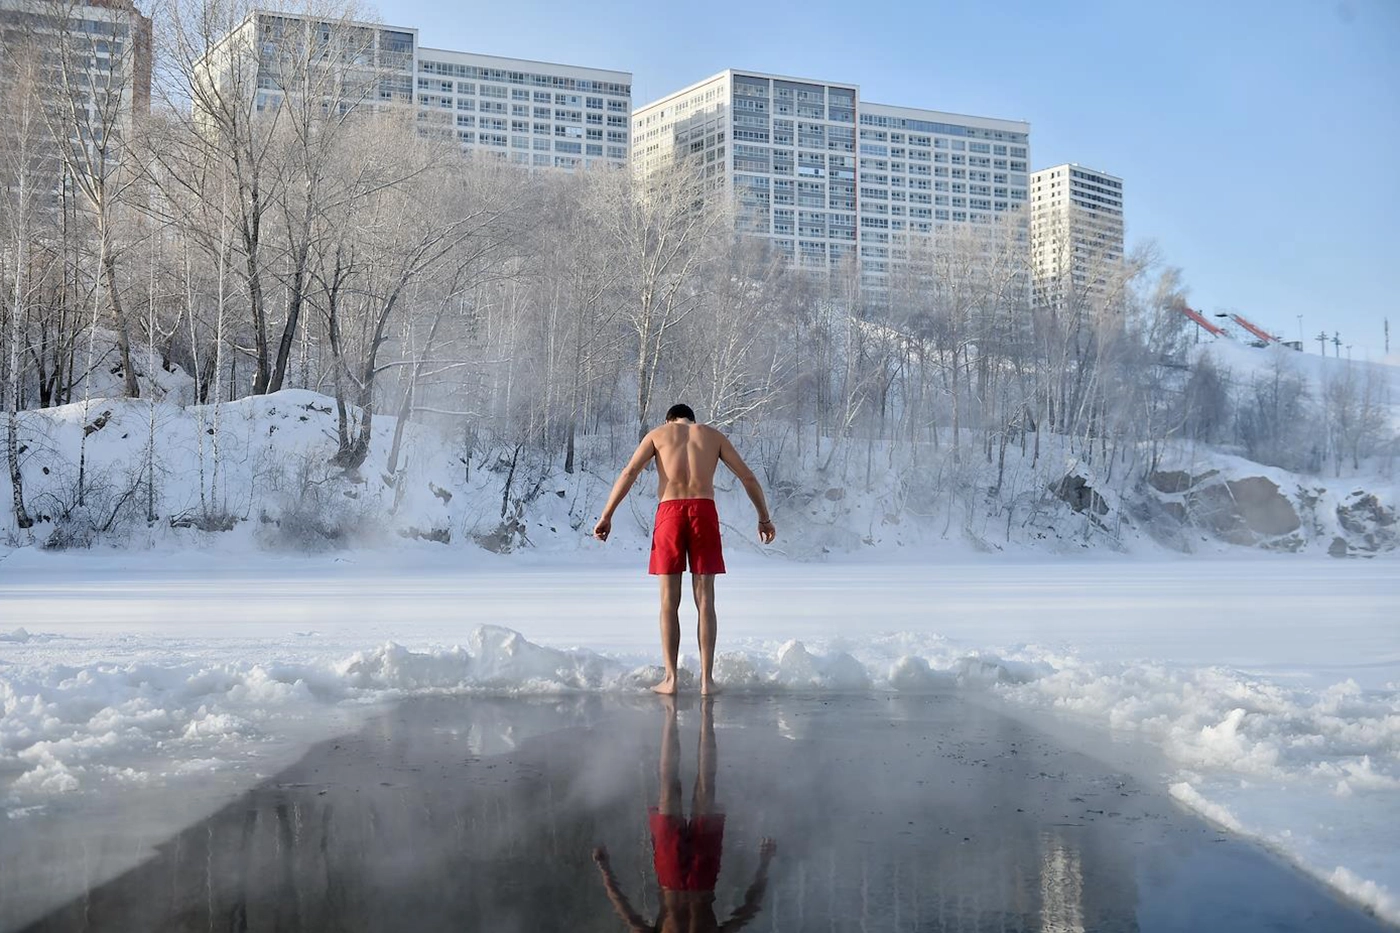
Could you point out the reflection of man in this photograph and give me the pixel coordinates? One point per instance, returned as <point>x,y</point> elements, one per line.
<point>686,853</point>
<point>687,526</point>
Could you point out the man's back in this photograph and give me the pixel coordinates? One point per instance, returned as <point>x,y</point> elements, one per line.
<point>686,457</point>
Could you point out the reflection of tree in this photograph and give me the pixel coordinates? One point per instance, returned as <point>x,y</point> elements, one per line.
<point>686,853</point>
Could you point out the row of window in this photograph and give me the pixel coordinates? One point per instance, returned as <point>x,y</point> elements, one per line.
<point>505,76</point>
<point>521,95</point>
<point>945,129</point>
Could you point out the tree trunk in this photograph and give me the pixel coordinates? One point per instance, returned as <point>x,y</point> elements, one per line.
<point>109,271</point>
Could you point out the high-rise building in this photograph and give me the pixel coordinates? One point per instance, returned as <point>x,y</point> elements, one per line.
<point>93,73</point>
<point>829,179</point>
<point>1076,235</point>
<point>535,114</point>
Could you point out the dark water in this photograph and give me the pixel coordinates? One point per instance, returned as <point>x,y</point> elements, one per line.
<point>885,814</point>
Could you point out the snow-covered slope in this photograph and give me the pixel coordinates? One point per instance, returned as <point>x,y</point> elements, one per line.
<point>257,472</point>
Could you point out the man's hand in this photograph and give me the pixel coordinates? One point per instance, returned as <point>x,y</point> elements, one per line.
<point>602,529</point>
<point>767,531</point>
<point>600,855</point>
<point>767,848</point>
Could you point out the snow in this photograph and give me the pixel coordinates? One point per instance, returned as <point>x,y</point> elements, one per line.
<point>1269,686</point>
<point>1247,362</point>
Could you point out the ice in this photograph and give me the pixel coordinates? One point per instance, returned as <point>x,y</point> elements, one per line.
<point>1270,687</point>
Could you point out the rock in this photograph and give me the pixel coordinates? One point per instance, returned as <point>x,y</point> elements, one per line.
<point>1076,491</point>
<point>1172,482</point>
<point>439,535</point>
<point>1339,547</point>
<point>1243,511</point>
<point>1265,510</point>
<point>1370,527</point>
<point>835,494</point>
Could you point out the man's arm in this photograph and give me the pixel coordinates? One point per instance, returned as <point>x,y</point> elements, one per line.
<point>753,897</point>
<point>766,529</point>
<point>615,896</point>
<point>645,451</point>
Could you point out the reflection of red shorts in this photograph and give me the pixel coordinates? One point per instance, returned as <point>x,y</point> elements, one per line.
<point>686,852</point>
<point>686,527</point>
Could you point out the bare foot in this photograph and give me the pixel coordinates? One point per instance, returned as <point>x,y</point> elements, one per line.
<point>667,687</point>
<point>709,688</point>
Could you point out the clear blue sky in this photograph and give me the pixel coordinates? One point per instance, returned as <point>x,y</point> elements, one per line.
<point>1258,140</point>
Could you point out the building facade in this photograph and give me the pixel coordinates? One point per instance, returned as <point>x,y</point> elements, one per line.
<point>94,66</point>
<point>534,114</point>
<point>1076,235</point>
<point>831,180</point>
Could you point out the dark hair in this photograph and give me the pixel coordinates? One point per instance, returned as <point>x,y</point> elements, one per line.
<point>680,411</point>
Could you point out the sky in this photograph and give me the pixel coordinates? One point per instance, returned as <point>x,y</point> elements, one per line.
<point>1258,140</point>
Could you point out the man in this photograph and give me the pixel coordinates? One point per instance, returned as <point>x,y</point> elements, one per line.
<point>687,526</point>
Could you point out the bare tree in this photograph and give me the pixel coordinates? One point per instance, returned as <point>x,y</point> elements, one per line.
<point>663,229</point>
<point>26,178</point>
<point>96,94</point>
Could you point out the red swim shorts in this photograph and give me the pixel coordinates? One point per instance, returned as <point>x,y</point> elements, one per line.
<point>686,852</point>
<point>686,527</point>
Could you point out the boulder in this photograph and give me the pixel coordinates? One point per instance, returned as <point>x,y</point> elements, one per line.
<point>1081,497</point>
<point>1370,527</point>
<point>1172,482</point>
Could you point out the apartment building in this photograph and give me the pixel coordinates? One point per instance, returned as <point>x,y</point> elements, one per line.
<point>1076,234</point>
<point>105,45</point>
<point>535,114</point>
<point>832,180</point>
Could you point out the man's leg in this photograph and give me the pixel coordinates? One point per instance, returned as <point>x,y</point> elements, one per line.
<point>670,629</point>
<point>704,587</point>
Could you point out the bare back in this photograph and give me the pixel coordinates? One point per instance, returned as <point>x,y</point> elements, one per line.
<point>686,457</point>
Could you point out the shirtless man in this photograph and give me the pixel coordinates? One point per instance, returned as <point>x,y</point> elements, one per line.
<point>687,525</point>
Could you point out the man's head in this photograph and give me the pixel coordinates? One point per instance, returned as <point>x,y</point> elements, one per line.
<point>680,412</point>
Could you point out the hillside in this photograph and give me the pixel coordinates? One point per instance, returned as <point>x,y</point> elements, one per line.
<point>256,473</point>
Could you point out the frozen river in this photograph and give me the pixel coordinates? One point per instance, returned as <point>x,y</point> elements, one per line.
<point>1268,686</point>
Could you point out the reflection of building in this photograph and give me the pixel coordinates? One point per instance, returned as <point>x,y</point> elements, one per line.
<point>1061,887</point>
<point>827,177</point>
<point>534,113</point>
<point>1076,234</point>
